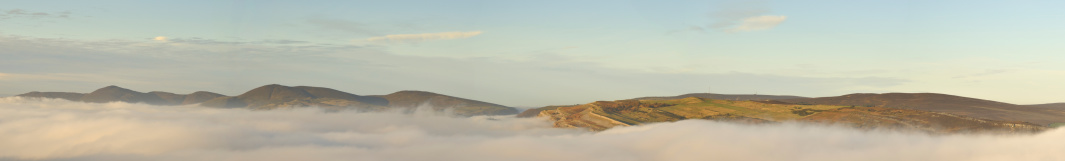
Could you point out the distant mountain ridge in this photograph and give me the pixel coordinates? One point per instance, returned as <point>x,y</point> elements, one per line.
<point>119,94</point>
<point>275,96</point>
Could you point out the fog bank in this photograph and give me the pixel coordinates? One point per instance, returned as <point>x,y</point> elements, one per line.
<point>49,129</point>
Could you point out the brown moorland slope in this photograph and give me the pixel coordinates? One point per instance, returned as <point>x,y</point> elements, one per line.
<point>734,97</point>
<point>950,104</point>
<point>603,115</point>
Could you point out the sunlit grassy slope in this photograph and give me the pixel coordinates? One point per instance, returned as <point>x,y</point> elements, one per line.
<point>602,115</point>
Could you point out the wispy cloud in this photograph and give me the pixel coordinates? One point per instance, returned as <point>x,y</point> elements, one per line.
<point>741,16</point>
<point>342,25</point>
<point>424,37</point>
<point>6,14</point>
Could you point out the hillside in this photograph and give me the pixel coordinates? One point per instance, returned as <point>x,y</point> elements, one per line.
<point>734,97</point>
<point>275,96</point>
<point>956,105</point>
<point>1049,106</point>
<point>200,97</point>
<point>119,94</point>
<point>59,95</point>
<point>603,115</point>
<point>461,106</point>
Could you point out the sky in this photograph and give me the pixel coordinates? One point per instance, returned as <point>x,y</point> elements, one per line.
<point>537,53</point>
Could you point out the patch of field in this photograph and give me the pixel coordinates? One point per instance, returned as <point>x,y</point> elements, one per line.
<point>702,108</point>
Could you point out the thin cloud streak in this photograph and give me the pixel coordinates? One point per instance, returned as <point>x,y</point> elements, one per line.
<point>424,37</point>
<point>742,16</point>
<point>758,23</point>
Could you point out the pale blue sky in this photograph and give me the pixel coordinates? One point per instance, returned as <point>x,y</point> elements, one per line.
<point>534,53</point>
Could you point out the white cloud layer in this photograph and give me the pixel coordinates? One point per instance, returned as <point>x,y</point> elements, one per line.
<point>55,129</point>
<point>424,37</point>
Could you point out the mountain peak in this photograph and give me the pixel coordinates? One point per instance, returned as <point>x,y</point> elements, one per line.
<point>274,92</point>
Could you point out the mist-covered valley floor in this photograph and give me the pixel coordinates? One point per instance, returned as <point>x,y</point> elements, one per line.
<point>52,129</point>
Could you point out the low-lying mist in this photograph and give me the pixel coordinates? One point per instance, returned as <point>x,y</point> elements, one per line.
<point>49,129</point>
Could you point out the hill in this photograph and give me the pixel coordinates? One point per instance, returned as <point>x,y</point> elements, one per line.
<point>278,96</point>
<point>603,115</point>
<point>59,95</point>
<point>734,97</point>
<point>461,106</point>
<point>956,105</point>
<point>200,97</point>
<point>1049,105</point>
<point>119,94</point>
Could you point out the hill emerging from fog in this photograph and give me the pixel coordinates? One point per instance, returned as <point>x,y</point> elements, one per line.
<point>943,103</point>
<point>119,94</point>
<point>734,97</point>
<point>276,96</point>
<point>603,115</point>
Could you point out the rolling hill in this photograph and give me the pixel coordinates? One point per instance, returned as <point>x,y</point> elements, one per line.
<point>603,115</point>
<point>58,95</point>
<point>734,97</point>
<point>950,104</point>
<point>119,94</point>
<point>276,96</point>
<point>461,106</point>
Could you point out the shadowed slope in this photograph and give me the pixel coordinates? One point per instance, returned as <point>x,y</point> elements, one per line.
<point>60,95</point>
<point>169,98</point>
<point>461,106</point>
<point>200,97</point>
<point>115,93</point>
<point>332,93</point>
<point>278,96</point>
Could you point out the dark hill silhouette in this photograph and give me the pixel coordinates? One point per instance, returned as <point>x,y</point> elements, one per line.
<point>115,93</point>
<point>734,97</point>
<point>119,94</point>
<point>462,106</point>
<point>972,107</point>
<point>332,93</point>
<point>278,96</point>
<point>58,95</point>
<point>200,97</point>
<point>169,98</point>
